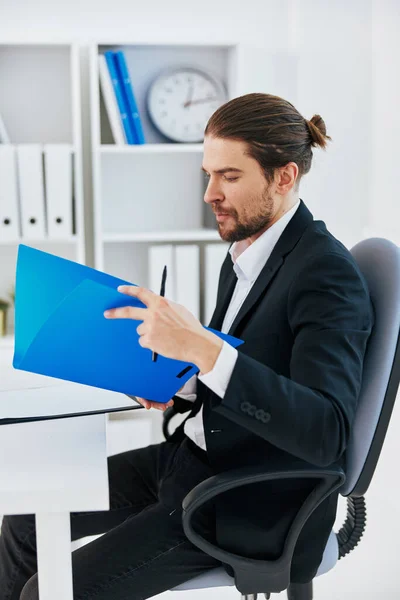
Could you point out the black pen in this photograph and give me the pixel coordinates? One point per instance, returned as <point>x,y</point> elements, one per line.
<point>162,293</point>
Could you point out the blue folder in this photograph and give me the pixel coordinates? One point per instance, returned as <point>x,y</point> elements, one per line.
<point>127,89</point>
<point>60,330</point>
<point>120,97</point>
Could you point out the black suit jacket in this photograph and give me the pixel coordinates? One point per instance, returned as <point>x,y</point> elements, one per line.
<point>293,390</point>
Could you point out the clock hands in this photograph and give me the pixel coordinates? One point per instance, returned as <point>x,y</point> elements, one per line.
<point>190,103</point>
<point>190,96</point>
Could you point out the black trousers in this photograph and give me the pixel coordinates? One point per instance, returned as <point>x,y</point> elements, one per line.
<point>143,551</point>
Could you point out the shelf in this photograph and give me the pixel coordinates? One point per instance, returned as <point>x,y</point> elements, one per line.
<point>164,44</point>
<point>164,236</point>
<point>150,148</point>
<point>54,142</point>
<point>68,240</point>
<point>53,118</point>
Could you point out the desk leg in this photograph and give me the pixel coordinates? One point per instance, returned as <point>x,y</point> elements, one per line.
<point>53,539</point>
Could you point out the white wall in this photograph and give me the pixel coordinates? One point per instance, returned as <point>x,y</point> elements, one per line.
<point>347,53</point>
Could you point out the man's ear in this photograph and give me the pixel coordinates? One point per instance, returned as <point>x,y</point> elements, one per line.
<point>286,178</point>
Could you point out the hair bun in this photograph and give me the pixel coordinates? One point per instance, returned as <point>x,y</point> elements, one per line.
<point>317,129</point>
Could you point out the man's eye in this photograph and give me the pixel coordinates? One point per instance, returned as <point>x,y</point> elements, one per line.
<point>207,176</point>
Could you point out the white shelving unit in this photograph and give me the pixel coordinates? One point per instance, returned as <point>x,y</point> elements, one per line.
<point>40,103</point>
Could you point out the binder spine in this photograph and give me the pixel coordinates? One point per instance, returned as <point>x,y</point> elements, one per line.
<point>127,88</point>
<point>117,84</point>
<point>9,209</point>
<point>31,190</point>
<point>58,185</point>
<point>187,277</point>
<point>110,102</point>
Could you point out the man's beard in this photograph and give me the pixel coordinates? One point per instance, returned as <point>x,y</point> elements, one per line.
<point>253,225</point>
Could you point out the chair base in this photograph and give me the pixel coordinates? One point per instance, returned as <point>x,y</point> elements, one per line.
<point>300,591</point>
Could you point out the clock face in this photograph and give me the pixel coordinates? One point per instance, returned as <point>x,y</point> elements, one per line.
<point>181,101</point>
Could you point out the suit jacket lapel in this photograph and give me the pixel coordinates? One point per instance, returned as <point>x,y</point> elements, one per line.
<point>285,244</point>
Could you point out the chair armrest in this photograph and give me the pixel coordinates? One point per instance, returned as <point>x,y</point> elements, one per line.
<point>251,575</point>
<point>180,406</point>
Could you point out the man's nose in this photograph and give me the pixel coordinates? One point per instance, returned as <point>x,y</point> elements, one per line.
<point>213,192</point>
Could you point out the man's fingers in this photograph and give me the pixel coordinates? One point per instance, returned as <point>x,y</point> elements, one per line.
<point>141,400</point>
<point>144,402</point>
<point>163,406</point>
<point>146,296</point>
<point>150,404</point>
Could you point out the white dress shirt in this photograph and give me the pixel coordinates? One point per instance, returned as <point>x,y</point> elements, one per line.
<point>248,260</point>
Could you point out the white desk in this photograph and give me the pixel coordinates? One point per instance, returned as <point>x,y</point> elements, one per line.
<point>52,468</point>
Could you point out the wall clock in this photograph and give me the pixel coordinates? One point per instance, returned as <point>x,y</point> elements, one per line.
<point>182,99</point>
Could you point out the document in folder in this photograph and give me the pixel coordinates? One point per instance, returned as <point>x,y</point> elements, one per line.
<point>61,332</point>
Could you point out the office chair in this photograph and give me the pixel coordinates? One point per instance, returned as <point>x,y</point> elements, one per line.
<point>379,261</point>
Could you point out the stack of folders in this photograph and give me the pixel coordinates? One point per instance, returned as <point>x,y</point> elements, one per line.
<point>183,283</point>
<point>36,191</point>
<point>119,99</point>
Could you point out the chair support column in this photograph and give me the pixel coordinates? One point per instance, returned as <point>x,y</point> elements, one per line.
<point>300,591</point>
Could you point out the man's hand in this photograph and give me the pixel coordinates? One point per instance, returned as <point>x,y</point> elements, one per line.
<point>150,404</point>
<point>167,328</point>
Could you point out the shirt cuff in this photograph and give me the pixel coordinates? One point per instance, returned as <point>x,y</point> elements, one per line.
<point>218,378</point>
<point>189,390</point>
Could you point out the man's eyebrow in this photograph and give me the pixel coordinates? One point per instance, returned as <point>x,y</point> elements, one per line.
<point>224,170</point>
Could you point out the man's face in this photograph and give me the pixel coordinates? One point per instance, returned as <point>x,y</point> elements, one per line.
<point>237,190</point>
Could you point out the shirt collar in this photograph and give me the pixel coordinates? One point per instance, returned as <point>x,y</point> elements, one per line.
<point>249,258</point>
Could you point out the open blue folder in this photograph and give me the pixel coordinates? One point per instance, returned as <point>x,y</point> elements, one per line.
<point>60,330</point>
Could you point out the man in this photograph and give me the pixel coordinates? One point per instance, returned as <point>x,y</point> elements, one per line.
<point>294,294</point>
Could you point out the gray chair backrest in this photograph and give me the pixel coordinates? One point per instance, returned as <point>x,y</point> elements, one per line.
<point>379,261</point>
